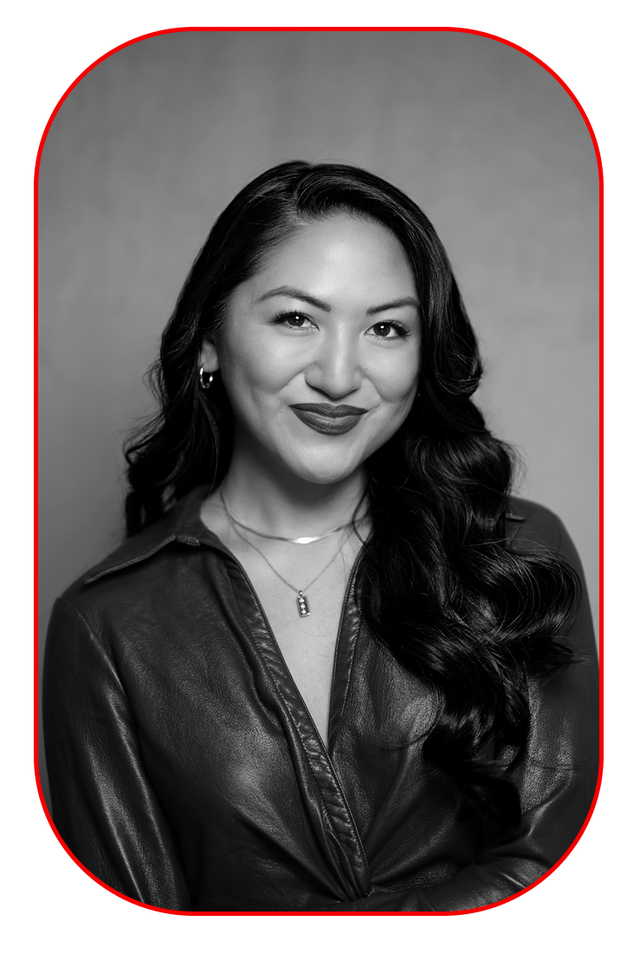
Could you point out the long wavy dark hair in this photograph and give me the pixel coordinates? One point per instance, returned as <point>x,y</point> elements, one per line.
<point>438,582</point>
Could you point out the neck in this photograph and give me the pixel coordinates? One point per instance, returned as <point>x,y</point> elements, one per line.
<point>278,503</point>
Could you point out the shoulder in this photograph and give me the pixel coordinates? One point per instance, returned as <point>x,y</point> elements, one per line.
<point>531,525</point>
<point>142,567</point>
<point>533,528</point>
<point>533,517</point>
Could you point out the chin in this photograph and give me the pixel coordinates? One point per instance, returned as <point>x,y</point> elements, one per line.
<point>324,477</point>
<point>324,473</point>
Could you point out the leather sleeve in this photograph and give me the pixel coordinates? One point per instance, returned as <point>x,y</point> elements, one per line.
<point>102,802</point>
<point>557,778</point>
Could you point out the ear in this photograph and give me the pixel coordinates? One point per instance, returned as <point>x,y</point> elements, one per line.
<point>209,356</point>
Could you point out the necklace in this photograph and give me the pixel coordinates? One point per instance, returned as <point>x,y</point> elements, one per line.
<point>301,600</point>
<point>271,536</point>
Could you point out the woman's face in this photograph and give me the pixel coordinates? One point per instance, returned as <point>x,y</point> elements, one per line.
<point>320,349</point>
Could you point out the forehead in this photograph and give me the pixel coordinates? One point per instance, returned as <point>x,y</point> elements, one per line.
<point>336,251</point>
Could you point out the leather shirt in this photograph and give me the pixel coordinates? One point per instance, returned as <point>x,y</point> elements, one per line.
<point>187,773</point>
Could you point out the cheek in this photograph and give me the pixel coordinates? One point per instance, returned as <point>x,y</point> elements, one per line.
<point>257,365</point>
<point>397,380</point>
<point>244,370</point>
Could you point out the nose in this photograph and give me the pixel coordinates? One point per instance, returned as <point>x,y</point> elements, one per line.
<point>335,369</point>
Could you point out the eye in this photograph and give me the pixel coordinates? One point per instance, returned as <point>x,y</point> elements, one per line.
<point>293,320</point>
<point>389,330</point>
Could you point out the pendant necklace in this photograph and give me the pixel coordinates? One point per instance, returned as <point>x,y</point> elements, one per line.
<point>301,600</point>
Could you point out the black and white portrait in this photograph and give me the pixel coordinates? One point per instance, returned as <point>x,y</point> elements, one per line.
<point>318,471</point>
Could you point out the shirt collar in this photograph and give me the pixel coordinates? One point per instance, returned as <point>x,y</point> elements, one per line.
<point>181,524</point>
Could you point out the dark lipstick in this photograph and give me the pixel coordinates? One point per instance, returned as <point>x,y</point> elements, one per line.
<point>327,417</point>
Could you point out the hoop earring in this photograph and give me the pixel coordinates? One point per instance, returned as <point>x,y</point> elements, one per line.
<point>205,384</point>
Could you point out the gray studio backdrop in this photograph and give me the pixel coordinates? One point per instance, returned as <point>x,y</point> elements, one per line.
<point>155,140</point>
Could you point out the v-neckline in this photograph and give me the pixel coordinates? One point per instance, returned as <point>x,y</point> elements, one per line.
<point>343,653</point>
<point>332,816</point>
<point>324,796</point>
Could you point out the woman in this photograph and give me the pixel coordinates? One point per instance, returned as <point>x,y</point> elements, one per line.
<point>336,666</point>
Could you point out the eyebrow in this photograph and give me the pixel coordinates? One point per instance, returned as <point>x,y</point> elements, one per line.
<point>321,305</point>
<point>297,294</point>
<point>394,304</point>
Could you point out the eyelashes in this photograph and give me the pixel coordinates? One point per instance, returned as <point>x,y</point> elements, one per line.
<point>383,330</point>
<point>386,327</point>
<point>293,319</point>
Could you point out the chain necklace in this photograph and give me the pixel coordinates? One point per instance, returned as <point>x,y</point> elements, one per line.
<point>271,536</point>
<point>301,600</point>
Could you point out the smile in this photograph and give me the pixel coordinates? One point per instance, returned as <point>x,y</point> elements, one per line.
<point>327,418</point>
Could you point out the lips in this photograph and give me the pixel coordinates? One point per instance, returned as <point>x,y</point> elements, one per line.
<point>327,417</point>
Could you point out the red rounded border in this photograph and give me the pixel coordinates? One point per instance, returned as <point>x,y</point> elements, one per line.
<point>479,33</point>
